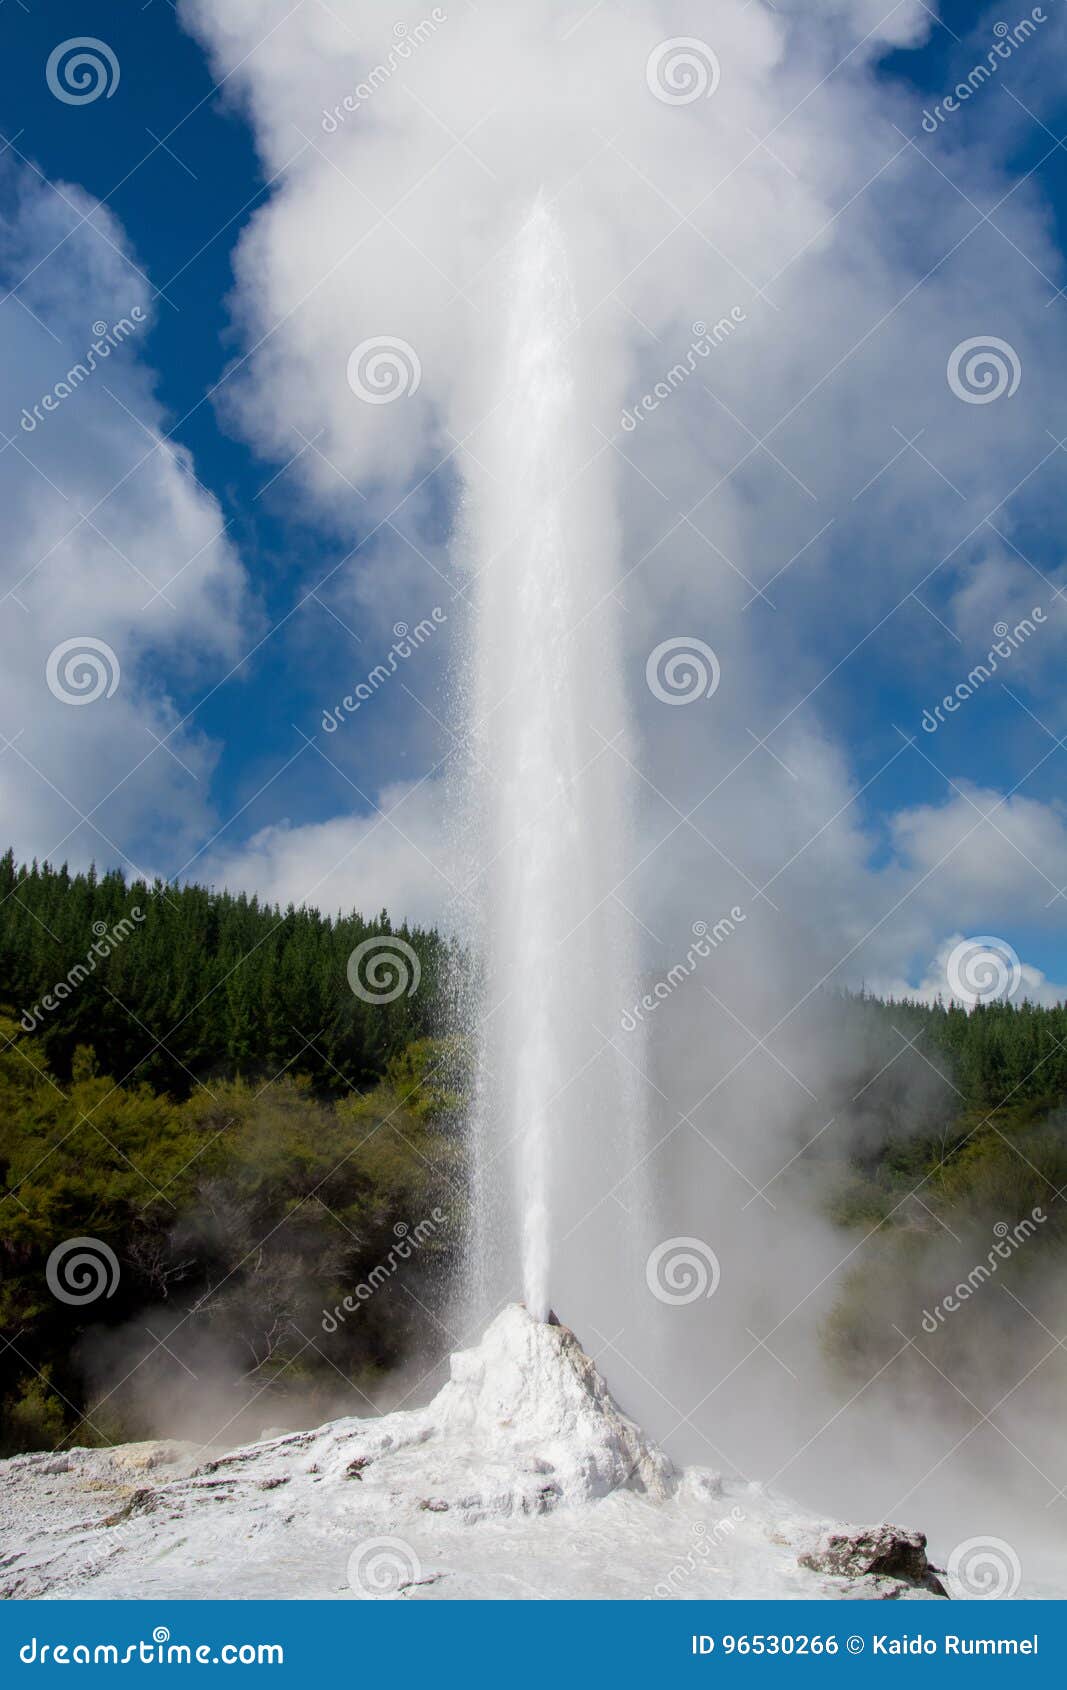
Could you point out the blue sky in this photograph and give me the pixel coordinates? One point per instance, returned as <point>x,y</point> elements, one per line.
<point>182,153</point>
<point>173,158</point>
<point>183,204</point>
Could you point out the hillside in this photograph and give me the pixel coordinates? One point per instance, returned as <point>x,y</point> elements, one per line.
<point>246,1141</point>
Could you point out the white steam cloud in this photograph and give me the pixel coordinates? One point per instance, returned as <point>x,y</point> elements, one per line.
<point>798,491</point>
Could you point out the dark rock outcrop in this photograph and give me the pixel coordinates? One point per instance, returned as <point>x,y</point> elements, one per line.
<point>879,1552</point>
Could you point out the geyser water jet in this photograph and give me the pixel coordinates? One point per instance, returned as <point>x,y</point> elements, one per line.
<point>557,1110</point>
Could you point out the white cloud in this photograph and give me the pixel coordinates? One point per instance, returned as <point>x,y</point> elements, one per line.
<point>109,536</point>
<point>860,264</point>
<point>397,859</point>
<point>1004,857</point>
<point>941,981</point>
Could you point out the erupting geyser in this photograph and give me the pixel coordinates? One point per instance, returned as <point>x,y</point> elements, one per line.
<point>557,1111</point>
